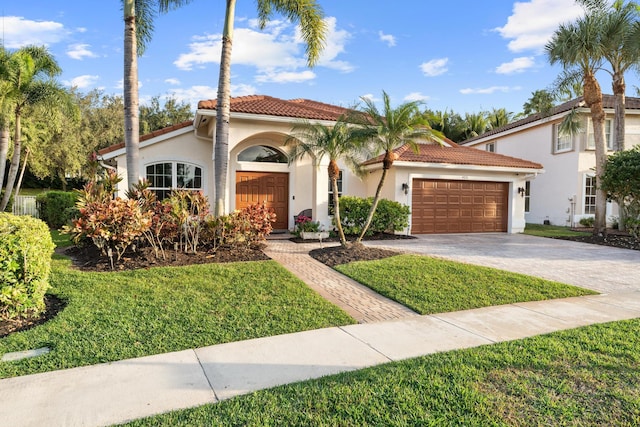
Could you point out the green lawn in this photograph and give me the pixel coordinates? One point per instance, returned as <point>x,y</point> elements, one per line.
<point>580,377</point>
<point>429,285</point>
<point>552,231</point>
<point>113,316</point>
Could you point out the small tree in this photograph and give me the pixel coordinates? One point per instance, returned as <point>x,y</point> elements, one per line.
<point>621,181</point>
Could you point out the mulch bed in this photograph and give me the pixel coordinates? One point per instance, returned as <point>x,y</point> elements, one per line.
<point>613,238</point>
<point>90,259</point>
<point>374,237</point>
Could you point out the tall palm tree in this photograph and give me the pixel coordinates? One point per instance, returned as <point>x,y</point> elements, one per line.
<point>577,47</point>
<point>620,49</point>
<point>338,142</point>
<point>138,28</point>
<point>5,113</point>
<point>29,71</point>
<point>389,130</point>
<point>308,14</point>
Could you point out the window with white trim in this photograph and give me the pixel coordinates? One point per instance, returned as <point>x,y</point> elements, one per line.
<point>591,141</point>
<point>589,194</point>
<point>490,147</point>
<point>562,141</point>
<point>331,206</point>
<point>262,154</point>
<point>527,196</point>
<point>164,177</point>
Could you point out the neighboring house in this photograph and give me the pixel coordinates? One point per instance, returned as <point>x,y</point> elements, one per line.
<point>566,191</point>
<point>450,189</point>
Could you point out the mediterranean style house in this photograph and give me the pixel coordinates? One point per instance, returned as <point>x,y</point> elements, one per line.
<point>565,193</point>
<point>449,188</point>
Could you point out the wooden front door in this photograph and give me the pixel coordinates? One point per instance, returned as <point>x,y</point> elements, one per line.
<point>271,187</point>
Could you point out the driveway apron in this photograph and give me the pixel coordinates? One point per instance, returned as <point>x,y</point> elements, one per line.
<point>600,268</point>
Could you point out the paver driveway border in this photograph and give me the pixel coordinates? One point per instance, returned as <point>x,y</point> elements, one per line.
<point>600,268</point>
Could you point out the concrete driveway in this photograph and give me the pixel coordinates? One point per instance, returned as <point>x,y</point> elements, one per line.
<point>601,268</point>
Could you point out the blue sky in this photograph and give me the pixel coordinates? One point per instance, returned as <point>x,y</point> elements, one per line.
<point>464,55</point>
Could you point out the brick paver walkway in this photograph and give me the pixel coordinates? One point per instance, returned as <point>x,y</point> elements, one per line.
<point>360,302</point>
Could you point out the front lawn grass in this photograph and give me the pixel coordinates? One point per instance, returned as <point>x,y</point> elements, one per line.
<point>120,315</point>
<point>429,285</point>
<point>580,377</point>
<point>552,231</point>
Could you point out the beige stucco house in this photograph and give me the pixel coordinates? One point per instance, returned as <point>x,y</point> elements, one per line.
<point>449,188</point>
<point>565,193</point>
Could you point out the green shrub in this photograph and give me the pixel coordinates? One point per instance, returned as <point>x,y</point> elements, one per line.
<point>587,222</point>
<point>390,216</point>
<point>57,208</point>
<point>25,264</point>
<point>248,225</point>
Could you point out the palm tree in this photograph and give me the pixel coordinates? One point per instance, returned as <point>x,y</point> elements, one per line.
<point>309,15</point>
<point>338,142</point>
<point>498,117</point>
<point>541,101</point>
<point>5,113</point>
<point>475,124</point>
<point>29,71</point>
<point>138,27</point>
<point>577,47</point>
<point>389,130</point>
<point>622,51</point>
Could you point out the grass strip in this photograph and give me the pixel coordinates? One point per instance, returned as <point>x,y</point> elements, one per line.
<point>580,377</point>
<point>120,315</point>
<point>429,285</point>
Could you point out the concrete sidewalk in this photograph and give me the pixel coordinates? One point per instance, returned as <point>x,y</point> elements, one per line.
<point>117,392</point>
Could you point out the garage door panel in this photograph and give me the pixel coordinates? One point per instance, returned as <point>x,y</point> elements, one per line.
<point>440,206</point>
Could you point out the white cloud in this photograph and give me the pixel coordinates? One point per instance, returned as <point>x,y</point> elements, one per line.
<point>82,82</point>
<point>489,90</point>
<point>518,65</point>
<point>526,33</point>
<point>18,32</point>
<point>435,67</point>
<point>197,93</point>
<point>286,77</point>
<point>80,51</point>
<point>416,96</point>
<point>370,97</point>
<point>276,50</point>
<point>171,81</point>
<point>387,38</point>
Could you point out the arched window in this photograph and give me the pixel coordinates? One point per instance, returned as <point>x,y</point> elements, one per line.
<point>166,176</point>
<point>263,154</point>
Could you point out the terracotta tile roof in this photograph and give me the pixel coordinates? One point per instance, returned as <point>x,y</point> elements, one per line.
<point>457,155</point>
<point>608,102</point>
<point>153,134</point>
<point>268,105</point>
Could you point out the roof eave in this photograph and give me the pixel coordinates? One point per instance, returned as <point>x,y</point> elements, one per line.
<point>453,166</point>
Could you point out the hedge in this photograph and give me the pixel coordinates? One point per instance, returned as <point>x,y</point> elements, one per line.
<point>25,265</point>
<point>390,216</point>
<point>57,208</point>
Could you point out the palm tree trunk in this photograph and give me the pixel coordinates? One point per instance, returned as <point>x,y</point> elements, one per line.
<point>334,173</point>
<point>24,166</point>
<point>4,149</point>
<point>374,205</point>
<point>223,107</point>
<point>131,119</point>
<point>593,99</point>
<point>15,164</point>
<point>619,87</point>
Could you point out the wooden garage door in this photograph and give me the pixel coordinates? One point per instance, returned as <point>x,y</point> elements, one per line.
<point>441,206</point>
<point>273,187</point>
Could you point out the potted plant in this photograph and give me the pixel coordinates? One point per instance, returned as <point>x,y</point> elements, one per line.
<point>308,229</point>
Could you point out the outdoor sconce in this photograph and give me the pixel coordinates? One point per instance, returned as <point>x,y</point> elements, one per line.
<point>405,188</point>
<point>521,191</point>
